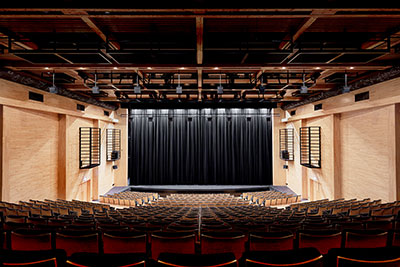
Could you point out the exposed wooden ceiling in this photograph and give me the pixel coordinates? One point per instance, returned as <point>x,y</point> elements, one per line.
<point>254,54</point>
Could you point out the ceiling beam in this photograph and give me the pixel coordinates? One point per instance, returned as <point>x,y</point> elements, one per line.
<point>115,45</point>
<point>199,35</point>
<point>373,44</point>
<point>193,67</point>
<point>304,26</point>
<point>28,45</point>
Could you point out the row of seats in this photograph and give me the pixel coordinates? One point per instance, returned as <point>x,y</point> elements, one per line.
<point>265,198</point>
<point>48,208</point>
<point>201,200</point>
<point>388,257</point>
<point>153,245</point>
<point>270,198</point>
<point>129,198</point>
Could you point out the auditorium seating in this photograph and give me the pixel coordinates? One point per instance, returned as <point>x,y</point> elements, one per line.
<point>153,229</point>
<point>270,198</point>
<point>129,198</point>
<point>264,198</point>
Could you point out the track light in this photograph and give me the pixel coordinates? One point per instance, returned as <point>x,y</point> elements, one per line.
<point>95,88</point>
<point>53,89</point>
<point>179,87</point>
<point>304,88</point>
<point>220,88</point>
<point>137,89</point>
<point>346,88</point>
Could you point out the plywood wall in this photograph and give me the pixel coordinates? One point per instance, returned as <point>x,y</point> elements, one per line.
<point>40,147</point>
<point>30,154</point>
<point>359,143</point>
<point>365,162</point>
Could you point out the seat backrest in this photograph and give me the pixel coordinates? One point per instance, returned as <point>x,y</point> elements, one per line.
<point>77,241</point>
<point>321,240</point>
<point>271,241</point>
<point>220,242</point>
<point>172,243</point>
<point>365,239</point>
<point>120,242</point>
<point>28,239</point>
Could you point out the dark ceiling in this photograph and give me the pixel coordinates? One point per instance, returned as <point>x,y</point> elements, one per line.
<point>254,54</point>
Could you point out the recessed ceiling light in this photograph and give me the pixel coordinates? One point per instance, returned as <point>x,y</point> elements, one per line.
<point>182,68</point>
<point>317,68</point>
<point>284,68</point>
<point>149,68</point>
<point>46,68</point>
<point>216,68</point>
<point>351,68</point>
<point>82,68</point>
<point>115,68</point>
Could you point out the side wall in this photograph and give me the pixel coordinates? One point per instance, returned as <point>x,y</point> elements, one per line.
<point>40,147</point>
<point>360,150</point>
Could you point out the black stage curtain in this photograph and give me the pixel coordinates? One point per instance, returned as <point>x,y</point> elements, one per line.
<point>204,147</point>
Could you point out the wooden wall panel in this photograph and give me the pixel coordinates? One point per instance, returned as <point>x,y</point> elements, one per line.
<point>31,150</point>
<point>106,175</point>
<point>365,161</point>
<point>279,174</point>
<point>294,171</point>
<point>321,181</point>
<point>121,174</point>
<point>76,187</point>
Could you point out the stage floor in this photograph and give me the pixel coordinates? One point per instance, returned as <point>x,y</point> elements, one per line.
<point>199,188</point>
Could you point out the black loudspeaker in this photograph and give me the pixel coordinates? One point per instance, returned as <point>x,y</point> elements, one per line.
<point>115,155</point>
<point>285,154</point>
<point>115,167</point>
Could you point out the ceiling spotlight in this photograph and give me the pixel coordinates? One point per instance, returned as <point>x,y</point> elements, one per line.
<point>182,68</point>
<point>149,68</point>
<point>53,89</point>
<point>115,68</point>
<point>345,88</point>
<point>220,88</point>
<point>137,89</point>
<point>216,68</point>
<point>46,68</point>
<point>317,68</point>
<point>352,68</point>
<point>304,88</point>
<point>95,88</point>
<point>284,68</point>
<point>82,68</point>
<point>179,87</point>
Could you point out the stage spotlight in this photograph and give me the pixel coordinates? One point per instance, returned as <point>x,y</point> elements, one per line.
<point>95,88</point>
<point>179,87</point>
<point>262,87</point>
<point>315,76</point>
<point>345,88</point>
<point>220,88</point>
<point>53,89</point>
<point>304,88</point>
<point>136,88</point>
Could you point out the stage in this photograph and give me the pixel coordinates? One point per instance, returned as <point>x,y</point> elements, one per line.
<point>199,189</point>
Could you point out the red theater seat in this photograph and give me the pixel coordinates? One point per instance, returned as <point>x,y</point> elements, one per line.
<point>28,239</point>
<point>223,242</point>
<point>365,239</point>
<point>321,240</point>
<point>267,241</point>
<point>172,242</point>
<point>77,241</point>
<point>124,242</point>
